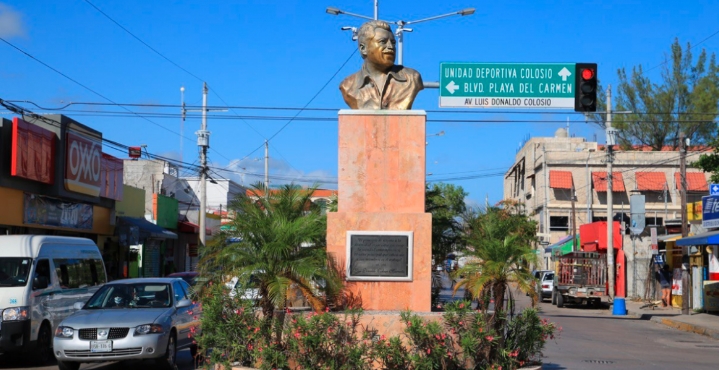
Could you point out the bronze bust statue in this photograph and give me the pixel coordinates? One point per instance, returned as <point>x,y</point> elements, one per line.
<point>380,84</point>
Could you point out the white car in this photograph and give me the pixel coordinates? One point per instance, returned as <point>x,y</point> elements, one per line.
<point>546,285</point>
<point>252,294</point>
<point>131,319</point>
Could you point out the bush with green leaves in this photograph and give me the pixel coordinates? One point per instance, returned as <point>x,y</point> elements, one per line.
<point>230,327</point>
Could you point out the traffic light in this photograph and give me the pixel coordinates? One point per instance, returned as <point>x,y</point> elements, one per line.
<point>585,96</point>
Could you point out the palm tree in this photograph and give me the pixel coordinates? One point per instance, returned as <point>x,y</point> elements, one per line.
<point>278,238</point>
<point>500,246</point>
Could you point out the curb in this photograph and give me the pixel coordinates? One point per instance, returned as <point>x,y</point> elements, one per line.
<point>683,326</point>
<point>691,328</point>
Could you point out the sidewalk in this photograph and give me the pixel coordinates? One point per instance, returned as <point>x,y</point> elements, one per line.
<point>699,323</point>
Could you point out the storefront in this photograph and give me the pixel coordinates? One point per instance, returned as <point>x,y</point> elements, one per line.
<point>55,180</point>
<point>146,242</point>
<point>703,258</point>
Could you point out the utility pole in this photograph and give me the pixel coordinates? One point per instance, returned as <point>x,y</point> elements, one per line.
<point>267,169</point>
<point>685,231</point>
<point>610,198</point>
<point>574,220</point>
<point>182,122</point>
<point>203,141</point>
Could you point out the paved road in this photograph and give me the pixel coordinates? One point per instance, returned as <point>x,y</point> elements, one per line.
<point>184,362</point>
<point>594,339</point>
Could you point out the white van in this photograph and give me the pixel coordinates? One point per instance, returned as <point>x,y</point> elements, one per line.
<point>41,278</point>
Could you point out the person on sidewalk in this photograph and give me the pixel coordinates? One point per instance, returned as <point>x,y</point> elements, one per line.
<point>664,277</point>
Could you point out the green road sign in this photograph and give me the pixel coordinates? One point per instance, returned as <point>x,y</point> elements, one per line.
<point>507,85</point>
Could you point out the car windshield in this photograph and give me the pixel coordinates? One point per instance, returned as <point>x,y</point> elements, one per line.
<point>14,271</point>
<point>137,295</point>
<point>549,276</point>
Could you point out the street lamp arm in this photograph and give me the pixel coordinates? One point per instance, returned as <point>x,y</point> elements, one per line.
<point>468,11</point>
<point>335,11</point>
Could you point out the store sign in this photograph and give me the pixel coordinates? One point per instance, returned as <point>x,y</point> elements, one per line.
<point>46,211</point>
<point>710,211</point>
<point>83,164</point>
<point>33,152</point>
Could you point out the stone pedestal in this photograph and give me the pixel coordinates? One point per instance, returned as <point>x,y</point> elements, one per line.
<point>382,188</point>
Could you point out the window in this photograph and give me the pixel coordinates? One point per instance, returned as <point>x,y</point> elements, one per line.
<point>42,272</point>
<point>188,289</point>
<point>14,271</point>
<point>79,273</point>
<point>179,292</point>
<point>558,223</point>
<point>654,221</point>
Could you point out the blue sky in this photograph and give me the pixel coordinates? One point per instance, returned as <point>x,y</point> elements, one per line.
<point>284,54</point>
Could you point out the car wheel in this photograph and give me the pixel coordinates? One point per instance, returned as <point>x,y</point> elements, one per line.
<point>554,297</point>
<point>168,360</point>
<point>67,365</point>
<point>193,350</point>
<point>560,300</point>
<point>43,351</point>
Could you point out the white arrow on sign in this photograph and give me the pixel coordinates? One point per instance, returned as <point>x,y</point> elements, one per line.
<point>452,87</point>
<point>564,73</point>
<point>715,189</point>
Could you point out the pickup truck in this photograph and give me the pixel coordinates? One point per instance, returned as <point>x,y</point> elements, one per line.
<point>579,278</point>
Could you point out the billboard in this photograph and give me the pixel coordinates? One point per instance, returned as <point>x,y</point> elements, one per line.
<point>33,152</point>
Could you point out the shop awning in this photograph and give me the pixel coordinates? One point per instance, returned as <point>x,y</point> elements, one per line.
<point>148,229</point>
<point>711,238</point>
<point>560,179</point>
<point>564,245</point>
<point>653,181</point>
<point>669,238</point>
<point>600,182</point>
<point>696,181</point>
<point>189,227</point>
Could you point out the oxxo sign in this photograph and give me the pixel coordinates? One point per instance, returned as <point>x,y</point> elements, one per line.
<point>82,164</point>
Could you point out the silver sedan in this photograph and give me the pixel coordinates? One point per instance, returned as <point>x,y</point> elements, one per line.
<point>147,318</point>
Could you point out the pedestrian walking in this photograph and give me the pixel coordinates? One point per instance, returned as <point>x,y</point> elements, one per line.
<point>664,277</point>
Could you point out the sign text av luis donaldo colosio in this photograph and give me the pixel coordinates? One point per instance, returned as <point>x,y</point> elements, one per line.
<point>507,85</point>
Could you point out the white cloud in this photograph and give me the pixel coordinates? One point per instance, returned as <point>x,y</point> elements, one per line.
<point>11,24</point>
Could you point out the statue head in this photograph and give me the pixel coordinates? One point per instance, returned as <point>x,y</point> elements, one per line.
<point>377,44</point>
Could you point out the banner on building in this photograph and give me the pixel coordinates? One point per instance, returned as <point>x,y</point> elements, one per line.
<point>677,282</point>
<point>33,152</point>
<point>711,296</point>
<point>46,211</point>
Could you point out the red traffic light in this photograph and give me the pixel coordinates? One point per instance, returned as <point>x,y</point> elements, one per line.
<point>587,74</point>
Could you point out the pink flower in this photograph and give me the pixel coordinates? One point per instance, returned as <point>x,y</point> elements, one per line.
<point>461,305</point>
<point>429,351</point>
<point>382,337</point>
<point>489,338</point>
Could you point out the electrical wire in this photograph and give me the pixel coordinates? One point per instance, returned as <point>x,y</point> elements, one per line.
<point>82,85</point>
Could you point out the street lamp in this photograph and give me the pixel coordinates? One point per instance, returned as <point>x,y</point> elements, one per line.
<point>401,25</point>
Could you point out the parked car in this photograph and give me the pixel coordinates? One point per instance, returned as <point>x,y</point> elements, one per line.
<point>546,285</point>
<point>41,279</point>
<point>145,318</point>
<point>250,292</point>
<point>538,276</point>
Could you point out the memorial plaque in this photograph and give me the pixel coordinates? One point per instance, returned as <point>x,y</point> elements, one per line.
<point>379,255</point>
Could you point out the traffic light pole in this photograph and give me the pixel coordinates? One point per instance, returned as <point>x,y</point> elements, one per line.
<point>610,198</point>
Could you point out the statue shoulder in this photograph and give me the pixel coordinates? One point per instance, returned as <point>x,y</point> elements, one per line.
<point>348,84</point>
<point>413,75</point>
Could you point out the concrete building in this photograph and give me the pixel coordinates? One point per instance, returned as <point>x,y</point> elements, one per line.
<point>547,169</point>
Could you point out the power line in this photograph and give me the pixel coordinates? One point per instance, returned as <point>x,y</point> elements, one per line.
<point>260,108</point>
<point>692,47</point>
<point>80,84</point>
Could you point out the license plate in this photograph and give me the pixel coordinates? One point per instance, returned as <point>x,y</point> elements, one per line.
<point>101,346</point>
<point>582,290</point>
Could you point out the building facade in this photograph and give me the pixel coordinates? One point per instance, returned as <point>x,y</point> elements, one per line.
<point>553,175</point>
